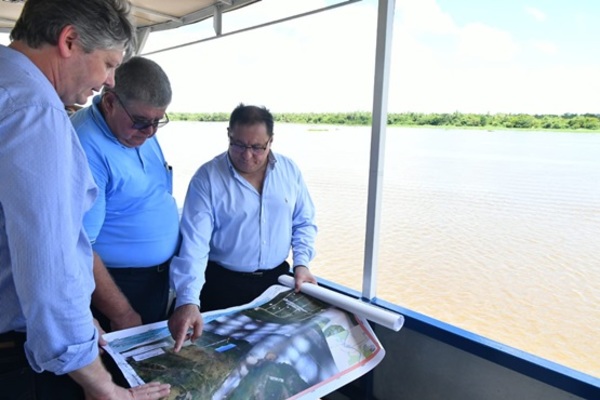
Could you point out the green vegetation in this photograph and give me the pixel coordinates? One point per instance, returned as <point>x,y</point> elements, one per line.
<point>588,122</point>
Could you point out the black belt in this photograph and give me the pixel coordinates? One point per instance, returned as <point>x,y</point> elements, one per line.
<point>282,268</point>
<point>155,269</point>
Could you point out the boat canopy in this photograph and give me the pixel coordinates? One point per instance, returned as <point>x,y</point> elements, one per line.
<point>152,15</point>
<point>159,15</point>
<point>149,15</point>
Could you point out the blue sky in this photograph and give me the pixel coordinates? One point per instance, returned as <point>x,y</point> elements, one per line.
<point>538,56</point>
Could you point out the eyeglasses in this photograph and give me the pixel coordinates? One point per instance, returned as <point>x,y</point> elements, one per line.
<point>255,149</point>
<point>142,124</point>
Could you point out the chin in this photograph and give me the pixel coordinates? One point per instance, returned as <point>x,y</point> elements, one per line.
<point>246,168</point>
<point>76,103</point>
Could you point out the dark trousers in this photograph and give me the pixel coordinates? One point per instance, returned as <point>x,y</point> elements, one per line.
<point>147,290</point>
<point>19,382</point>
<point>224,288</point>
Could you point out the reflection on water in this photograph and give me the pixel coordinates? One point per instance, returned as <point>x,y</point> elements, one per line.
<point>493,232</point>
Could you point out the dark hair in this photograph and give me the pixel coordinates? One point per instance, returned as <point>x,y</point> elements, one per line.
<point>141,79</point>
<point>250,115</point>
<point>101,24</point>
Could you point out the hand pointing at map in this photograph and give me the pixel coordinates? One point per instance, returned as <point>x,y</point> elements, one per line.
<point>184,318</point>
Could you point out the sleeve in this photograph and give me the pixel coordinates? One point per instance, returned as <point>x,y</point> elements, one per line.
<point>44,168</point>
<point>94,218</point>
<point>187,268</point>
<point>304,229</point>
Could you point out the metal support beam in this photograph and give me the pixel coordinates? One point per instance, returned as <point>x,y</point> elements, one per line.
<point>218,20</point>
<point>277,21</point>
<point>155,13</point>
<point>385,22</point>
<point>141,36</point>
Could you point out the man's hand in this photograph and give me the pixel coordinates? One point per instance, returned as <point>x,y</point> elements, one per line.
<point>97,384</point>
<point>149,391</point>
<point>301,275</point>
<point>184,318</point>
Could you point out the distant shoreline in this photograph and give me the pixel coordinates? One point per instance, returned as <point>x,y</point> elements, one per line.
<point>491,122</point>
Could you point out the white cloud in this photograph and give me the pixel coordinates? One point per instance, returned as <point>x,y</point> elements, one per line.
<point>537,14</point>
<point>545,47</point>
<point>494,89</point>
<point>480,68</point>
<point>424,16</point>
<point>481,42</point>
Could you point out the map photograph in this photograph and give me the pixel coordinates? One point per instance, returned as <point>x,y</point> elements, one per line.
<point>291,345</point>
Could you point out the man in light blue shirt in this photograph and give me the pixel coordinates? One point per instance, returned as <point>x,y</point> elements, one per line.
<point>134,223</point>
<point>243,212</point>
<point>61,51</point>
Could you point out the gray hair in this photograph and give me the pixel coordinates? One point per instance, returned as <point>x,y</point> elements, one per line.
<point>101,24</point>
<point>141,79</point>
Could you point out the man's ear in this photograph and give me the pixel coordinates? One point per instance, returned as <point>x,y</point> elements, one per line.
<point>108,101</point>
<point>66,41</point>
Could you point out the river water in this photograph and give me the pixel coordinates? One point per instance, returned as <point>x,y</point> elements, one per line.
<point>491,231</point>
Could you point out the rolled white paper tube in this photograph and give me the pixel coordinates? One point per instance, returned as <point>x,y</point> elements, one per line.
<point>372,313</point>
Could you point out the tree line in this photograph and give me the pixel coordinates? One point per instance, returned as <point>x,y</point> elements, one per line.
<point>489,121</point>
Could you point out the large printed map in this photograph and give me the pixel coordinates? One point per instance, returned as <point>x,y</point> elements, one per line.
<point>283,345</point>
